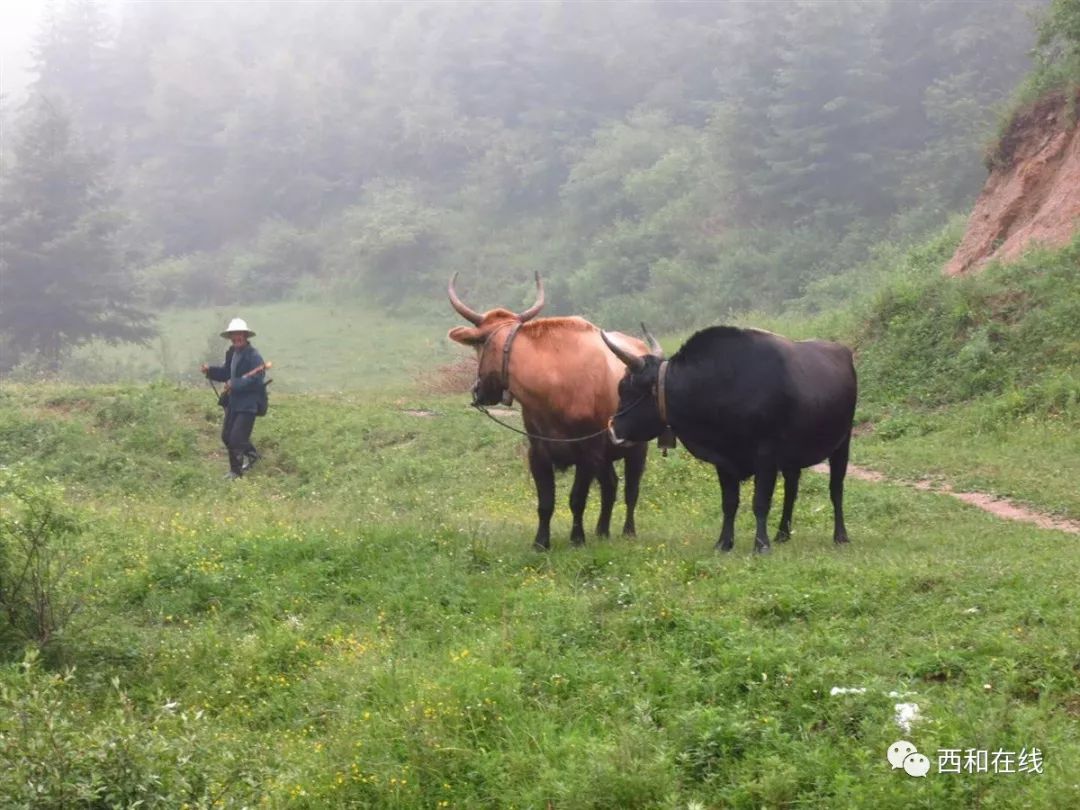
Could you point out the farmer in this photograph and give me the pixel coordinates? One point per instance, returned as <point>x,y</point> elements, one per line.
<point>244,397</point>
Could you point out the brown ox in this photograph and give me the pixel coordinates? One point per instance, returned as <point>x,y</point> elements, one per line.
<point>567,383</point>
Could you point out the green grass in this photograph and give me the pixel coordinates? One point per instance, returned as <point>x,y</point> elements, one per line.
<point>976,379</point>
<point>1035,460</point>
<point>315,346</point>
<point>362,623</point>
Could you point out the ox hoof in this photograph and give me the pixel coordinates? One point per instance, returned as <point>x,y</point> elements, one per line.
<point>782,537</point>
<point>841,539</point>
<point>762,548</point>
<point>630,533</point>
<point>603,532</point>
<point>542,544</point>
<point>725,547</point>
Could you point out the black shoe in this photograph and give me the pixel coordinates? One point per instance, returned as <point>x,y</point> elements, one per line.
<point>249,460</point>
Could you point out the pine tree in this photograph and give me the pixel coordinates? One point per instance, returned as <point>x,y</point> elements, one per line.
<point>829,109</point>
<point>75,62</point>
<point>61,279</point>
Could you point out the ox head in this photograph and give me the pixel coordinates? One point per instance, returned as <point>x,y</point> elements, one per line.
<point>487,336</point>
<point>638,416</point>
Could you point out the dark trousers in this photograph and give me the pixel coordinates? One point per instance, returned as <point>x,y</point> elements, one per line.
<point>236,435</point>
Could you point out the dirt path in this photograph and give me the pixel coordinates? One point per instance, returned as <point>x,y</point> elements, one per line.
<point>999,507</point>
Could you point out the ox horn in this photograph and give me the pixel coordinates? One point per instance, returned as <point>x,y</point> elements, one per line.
<point>535,308</point>
<point>654,344</point>
<point>632,361</point>
<point>464,311</point>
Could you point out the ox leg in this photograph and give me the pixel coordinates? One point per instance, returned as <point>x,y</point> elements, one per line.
<point>764,484</point>
<point>634,467</point>
<point>544,476</point>
<point>791,492</point>
<point>837,471</point>
<point>729,490</point>
<point>609,485</point>
<point>579,496</point>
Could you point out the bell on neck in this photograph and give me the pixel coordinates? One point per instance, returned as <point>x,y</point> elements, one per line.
<point>666,440</point>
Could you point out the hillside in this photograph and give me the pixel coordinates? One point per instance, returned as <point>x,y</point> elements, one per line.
<point>362,620</point>
<point>668,160</point>
<point>1033,192</point>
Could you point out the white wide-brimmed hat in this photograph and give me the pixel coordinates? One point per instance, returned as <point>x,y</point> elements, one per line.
<point>237,325</point>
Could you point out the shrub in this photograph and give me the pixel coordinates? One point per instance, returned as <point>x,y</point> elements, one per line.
<point>58,750</point>
<point>931,341</point>
<point>36,560</point>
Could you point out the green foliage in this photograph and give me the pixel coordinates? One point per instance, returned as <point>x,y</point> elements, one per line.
<point>37,562</point>
<point>192,279</point>
<point>933,341</point>
<point>827,112</point>
<point>737,152</point>
<point>1056,70</point>
<point>123,754</point>
<point>388,245</point>
<point>1059,30</point>
<point>268,267</point>
<point>63,281</point>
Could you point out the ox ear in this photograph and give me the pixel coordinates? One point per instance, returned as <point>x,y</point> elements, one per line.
<point>466,336</point>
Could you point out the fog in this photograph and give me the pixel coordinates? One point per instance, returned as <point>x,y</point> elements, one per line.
<point>679,160</point>
<point>19,20</point>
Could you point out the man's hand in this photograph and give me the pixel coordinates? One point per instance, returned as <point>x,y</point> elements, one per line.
<point>228,386</point>
<point>205,369</point>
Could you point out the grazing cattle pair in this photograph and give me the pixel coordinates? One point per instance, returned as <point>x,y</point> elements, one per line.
<point>749,402</point>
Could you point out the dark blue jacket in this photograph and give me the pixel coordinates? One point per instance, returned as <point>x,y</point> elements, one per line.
<point>245,392</point>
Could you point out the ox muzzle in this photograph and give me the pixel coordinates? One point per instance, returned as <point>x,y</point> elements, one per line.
<point>478,396</point>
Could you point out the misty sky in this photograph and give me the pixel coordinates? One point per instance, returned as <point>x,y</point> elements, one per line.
<point>18,24</point>
<point>19,21</point>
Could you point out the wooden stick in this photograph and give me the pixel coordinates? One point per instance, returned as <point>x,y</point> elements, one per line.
<point>264,367</point>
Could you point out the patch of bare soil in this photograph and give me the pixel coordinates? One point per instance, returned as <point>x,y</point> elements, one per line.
<point>1033,192</point>
<point>998,507</point>
<point>452,378</point>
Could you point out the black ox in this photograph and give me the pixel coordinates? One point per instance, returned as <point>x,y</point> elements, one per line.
<point>748,402</point>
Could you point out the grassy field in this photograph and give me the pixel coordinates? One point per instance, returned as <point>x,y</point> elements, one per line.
<point>1035,461</point>
<point>362,623</point>
<point>316,346</point>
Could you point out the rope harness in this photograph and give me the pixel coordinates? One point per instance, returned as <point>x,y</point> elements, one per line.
<point>601,432</point>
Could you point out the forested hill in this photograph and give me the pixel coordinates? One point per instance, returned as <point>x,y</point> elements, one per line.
<point>682,159</point>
